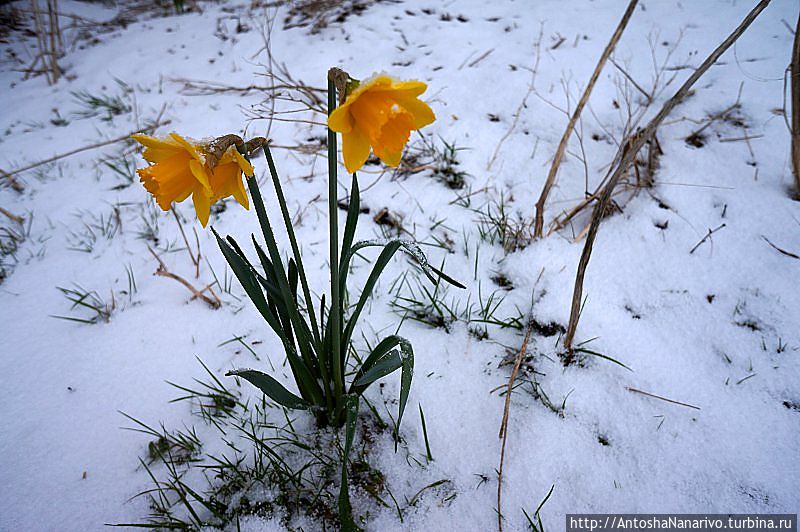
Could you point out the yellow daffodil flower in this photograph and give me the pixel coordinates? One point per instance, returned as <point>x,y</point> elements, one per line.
<point>381,112</point>
<point>179,169</point>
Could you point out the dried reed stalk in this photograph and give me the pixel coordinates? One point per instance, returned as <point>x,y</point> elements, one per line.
<point>627,155</point>
<point>538,223</point>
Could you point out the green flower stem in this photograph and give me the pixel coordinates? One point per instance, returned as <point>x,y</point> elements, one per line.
<point>333,214</point>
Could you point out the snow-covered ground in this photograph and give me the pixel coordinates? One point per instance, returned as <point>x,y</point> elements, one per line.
<point>717,328</point>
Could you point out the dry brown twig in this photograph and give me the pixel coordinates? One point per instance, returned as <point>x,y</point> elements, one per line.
<point>194,258</point>
<point>16,185</point>
<point>11,216</point>
<point>654,396</point>
<point>627,156</point>
<point>48,39</point>
<point>706,237</point>
<point>504,424</point>
<point>503,434</point>
<point>633,113</point>
<point>538,223</point>
<point>780,250</point>
<point>162,271</point>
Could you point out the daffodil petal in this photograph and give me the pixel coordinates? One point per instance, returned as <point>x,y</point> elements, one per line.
<point>244,164</point>
<point>156,150</point>
<point>391,158</point>
<point>200,173</point>
<point>405,88</point>
<point>340,119</point>
<point>191,148</point>
<point>420,111</point>
<point>355,149</point>
<point>202,205</point>
<point>240,194</point>
<point>169,180</point>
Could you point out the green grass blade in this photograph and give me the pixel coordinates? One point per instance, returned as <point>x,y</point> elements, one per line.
<point>428,454</point>
<point>601,355</point>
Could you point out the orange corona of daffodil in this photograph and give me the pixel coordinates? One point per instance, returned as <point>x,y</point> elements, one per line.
<point>179,169</point>
<point>381,112</point>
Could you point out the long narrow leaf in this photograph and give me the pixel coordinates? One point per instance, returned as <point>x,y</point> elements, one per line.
<point>293,242</point>
<point>378,352</point>
<point>353,210</point>
<point>244,273</point>
<point>412,250</point>
<point>306,381</point>
<point>382,367</point>
<point>407,355</point>
<point>380,264</point>
<point>271,388</point>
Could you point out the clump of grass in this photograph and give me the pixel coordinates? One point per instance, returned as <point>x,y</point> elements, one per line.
<point>440,160</point>
<point>123,168</point>
<point>417,302</point>
<point>181,446</point>
<point>91,306</point>
<point>94,226</point>
<point>498,225</point>
<point>103,105</point>
<point>12,235</point>
<point>318,14</point>
<point>148,228</point>
<point>436,308</point>
<point>213,400</point>
<point>261,450</point>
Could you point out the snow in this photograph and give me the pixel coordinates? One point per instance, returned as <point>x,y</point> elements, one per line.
<point>668,314</point>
